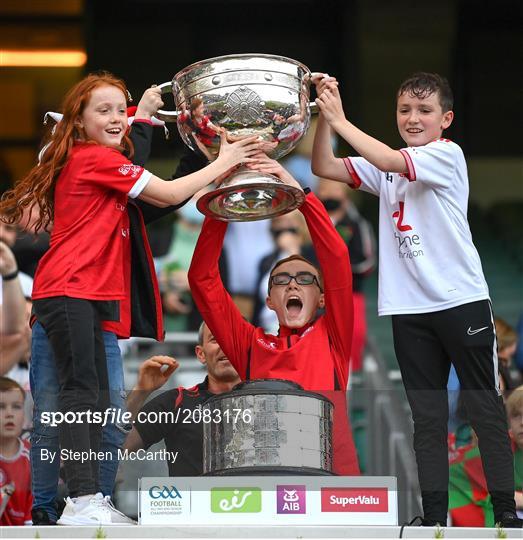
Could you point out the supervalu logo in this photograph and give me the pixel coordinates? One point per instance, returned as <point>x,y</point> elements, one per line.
<point>354,500</point>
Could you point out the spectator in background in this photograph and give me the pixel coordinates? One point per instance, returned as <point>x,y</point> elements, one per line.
<point>15,363</point>
<point>30,245</point>
<point>291,237</point>
<point>357,233</point>
<point>507,340</point>
<point>12,303</point>
<point>514,407</point>
<point>184,437</point>
<point>15,307</point>
<point>15,471</point>
<point>178,307</point>
<point>470,504</point>
<point>518,357</point>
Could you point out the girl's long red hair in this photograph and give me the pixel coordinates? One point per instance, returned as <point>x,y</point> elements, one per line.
<point>37,187</point>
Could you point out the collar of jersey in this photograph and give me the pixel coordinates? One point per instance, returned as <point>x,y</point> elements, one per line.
<point>285,331</point>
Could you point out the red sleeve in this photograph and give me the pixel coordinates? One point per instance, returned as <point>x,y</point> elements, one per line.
<point>334,260</point>
<point>113,170</point>
<point>214,303</point>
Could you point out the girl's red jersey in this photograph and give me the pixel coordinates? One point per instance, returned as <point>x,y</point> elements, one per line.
<point>89,251</point>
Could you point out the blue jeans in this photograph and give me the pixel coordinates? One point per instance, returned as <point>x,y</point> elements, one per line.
<point>44,438</point>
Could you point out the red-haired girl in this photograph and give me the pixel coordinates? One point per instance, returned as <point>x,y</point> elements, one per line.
<point>81,186</point>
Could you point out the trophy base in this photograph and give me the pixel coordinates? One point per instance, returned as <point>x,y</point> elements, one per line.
<point>249,195</point>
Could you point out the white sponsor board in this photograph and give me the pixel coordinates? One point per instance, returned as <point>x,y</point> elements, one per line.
<point>281,500</point>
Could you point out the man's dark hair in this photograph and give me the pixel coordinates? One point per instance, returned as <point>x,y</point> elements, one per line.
<point>422,85</point>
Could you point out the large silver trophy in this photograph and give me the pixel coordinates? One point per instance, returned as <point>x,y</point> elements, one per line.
<point>268,426</point>
<point>243,95</point>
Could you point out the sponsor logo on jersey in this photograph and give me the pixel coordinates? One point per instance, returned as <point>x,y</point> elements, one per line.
<point>409,245</point>
<point>127,168</point>
<point>399,216</point>
<point>267,344</point>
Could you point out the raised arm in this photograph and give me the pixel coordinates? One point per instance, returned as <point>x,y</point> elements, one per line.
<point>379,154</point>
<point>333,257</point>
<point>153,374</point>
<point>324,163</point>
<point>214,303</point>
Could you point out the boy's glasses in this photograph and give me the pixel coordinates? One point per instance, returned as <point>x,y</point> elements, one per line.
<point>277,232</point>
<point>301,278</point>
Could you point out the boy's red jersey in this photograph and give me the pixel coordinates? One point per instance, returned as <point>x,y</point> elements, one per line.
<point>17,470</point>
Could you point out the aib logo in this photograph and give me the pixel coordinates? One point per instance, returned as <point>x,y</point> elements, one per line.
<point>398,217</point>
<point>290,500</point>
<point>164,492</point>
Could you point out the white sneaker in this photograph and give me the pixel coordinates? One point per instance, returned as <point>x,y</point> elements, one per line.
<point>92,510</point>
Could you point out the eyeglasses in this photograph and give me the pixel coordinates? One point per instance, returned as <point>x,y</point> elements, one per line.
<point>301,278</point>
<point>277,232</point>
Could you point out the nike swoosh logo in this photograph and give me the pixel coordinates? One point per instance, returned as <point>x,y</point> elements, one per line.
<point>471,332</point>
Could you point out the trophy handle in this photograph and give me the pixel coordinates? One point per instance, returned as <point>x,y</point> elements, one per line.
<point>166,116</point>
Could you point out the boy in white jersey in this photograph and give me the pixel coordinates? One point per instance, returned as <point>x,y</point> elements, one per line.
<point>430,280</point>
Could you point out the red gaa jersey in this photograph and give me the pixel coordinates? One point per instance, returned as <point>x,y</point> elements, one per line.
<point>315,356</point>
<point>89,251</point>
<point>17,470</point>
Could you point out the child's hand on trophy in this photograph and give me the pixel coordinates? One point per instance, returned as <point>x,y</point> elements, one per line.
<point>265,164</point>
<point>322,81</point>
<point>238,152</point>
<point>149,103</point>
<point>330,105</point>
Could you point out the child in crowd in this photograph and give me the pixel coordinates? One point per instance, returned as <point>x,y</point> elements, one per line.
<point>470,503</point>
<point>507,341</point>
<point>82,185</point>
<point>15,470</point>
<point>514,407</point>
<point>430,280</point>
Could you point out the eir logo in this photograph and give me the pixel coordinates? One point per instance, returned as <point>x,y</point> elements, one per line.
<point>398,217</point>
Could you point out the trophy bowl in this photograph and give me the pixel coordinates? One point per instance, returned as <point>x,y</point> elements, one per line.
<point>243,95</point>
<point>268,426</point>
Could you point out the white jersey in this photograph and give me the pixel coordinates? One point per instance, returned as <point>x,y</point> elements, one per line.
<point>427,261</point>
